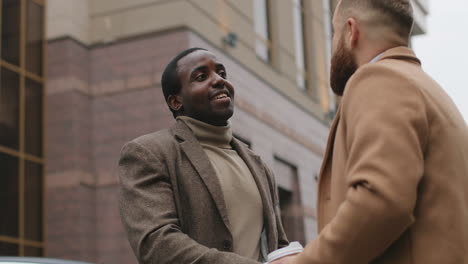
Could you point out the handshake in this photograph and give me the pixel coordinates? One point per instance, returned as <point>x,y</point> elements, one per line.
<point>279,256</point>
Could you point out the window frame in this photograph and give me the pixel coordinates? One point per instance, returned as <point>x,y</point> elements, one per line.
<point>23,157</point>
<point>263,40</point>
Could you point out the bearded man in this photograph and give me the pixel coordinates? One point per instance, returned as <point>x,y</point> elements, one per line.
<point>394,181</point>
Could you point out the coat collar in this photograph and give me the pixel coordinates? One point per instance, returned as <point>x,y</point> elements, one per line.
<point>400,53</point>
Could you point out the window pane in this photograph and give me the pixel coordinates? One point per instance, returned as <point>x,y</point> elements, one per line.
<point>9,109</point>
<point>33,126</point>
<point>298,17</point>
<point>261,29</point>
<point>34,38</point>
<point>10,31</point>
<point>33,201</point>
<point>9,195</point>
<point>292,214</point>
<point>7,249</point>
<point>33,252</point>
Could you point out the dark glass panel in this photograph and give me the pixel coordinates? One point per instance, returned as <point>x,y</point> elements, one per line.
<point>33,201</point>
<point>9,109</point>
<point>9,195</point>
<point>34,119</point>
<point>7,249</point>
<point>33,251</point>
<point>10,31</point>
<point>34,37</point>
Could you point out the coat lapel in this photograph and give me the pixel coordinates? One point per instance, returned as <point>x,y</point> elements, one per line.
<point>199,160</point>
<point>324,179</point>
<point>254,164</point>
<point>330,142</point>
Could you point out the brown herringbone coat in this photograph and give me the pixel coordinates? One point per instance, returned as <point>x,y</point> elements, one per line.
<point>171,202</point>
<point>394,182</point>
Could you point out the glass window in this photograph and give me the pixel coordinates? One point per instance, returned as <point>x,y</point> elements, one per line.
<point>292,215</point>
<point>34,37</point>
<point>9,109</point>
<point>7,249</point>
<point>261,21</point>
<point>298,17</point>
<point>9,195</point>
<point>21,98</point>
<point>10,31</point>
<point>33,201</point>
<point>286,204</point>
<point>33,252</point>
<point>33,118</point>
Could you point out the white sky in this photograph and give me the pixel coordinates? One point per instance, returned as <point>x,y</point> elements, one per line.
<point>444,49</point>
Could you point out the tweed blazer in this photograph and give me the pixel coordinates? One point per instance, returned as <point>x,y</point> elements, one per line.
<point>394,181</point>
<point>171,202</point>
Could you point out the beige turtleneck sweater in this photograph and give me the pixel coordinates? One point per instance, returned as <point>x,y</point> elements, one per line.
<point>241,195</point>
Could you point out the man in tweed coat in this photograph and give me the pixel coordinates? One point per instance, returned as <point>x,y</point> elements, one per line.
<point>194,193</point>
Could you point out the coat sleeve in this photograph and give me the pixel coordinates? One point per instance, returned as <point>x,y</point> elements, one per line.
<point>149,215</point>
<point>386,129</point>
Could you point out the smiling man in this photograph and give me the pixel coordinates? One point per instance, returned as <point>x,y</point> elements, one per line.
<point>194,193</point>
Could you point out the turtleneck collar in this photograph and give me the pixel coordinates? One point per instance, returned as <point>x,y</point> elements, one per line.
<point>218,136</point>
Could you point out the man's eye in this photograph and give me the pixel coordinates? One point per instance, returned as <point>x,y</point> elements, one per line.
<point>222,74</point>
<point>201,77</point>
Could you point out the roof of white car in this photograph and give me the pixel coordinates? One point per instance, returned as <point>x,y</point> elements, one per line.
<point>29,260</point>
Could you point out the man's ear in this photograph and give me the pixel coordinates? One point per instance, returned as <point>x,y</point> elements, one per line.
<point>353,33</point>
<point>175,102</point>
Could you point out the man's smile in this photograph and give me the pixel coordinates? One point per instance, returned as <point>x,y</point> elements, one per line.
<point>221,97</point>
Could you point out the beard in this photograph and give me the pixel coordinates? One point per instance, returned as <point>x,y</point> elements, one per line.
<point>343,66</point>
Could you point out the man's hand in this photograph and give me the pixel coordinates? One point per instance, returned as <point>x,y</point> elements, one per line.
<point>286,260</point>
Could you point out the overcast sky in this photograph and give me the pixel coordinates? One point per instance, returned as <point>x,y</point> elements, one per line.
<point>444,49</point>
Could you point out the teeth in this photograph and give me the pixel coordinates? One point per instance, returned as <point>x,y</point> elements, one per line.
<point>221,96</point>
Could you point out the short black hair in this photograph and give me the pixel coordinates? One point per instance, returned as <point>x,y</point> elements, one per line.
<point>170,79</point>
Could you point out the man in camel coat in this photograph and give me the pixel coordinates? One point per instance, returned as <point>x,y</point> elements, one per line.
<point>394,181</point>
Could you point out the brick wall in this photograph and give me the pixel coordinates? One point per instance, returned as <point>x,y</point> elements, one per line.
<point>97,99</point>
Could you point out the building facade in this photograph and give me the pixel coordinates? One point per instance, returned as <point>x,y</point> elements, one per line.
<point>99,87</point>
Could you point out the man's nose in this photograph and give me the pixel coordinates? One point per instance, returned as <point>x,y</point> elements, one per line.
<point>219,82</point>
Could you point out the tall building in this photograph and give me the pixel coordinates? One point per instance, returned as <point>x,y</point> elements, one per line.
<point>68,107</point>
